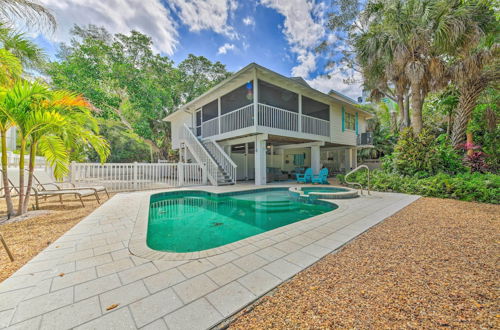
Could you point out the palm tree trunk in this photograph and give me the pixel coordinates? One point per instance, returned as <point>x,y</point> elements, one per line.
<point>407,111</point>
<point>30,176</point>
<point>21,177</point>
<point>5,178</point>
<point>466,103</point>
<point>416,106</point>
<point>401,106</point>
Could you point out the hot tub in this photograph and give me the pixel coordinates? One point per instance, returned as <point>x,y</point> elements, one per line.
<point>323,192</point>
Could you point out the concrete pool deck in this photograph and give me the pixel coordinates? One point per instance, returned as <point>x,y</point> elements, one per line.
<point>76,278</point>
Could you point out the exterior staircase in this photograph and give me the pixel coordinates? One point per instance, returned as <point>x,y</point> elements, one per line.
<point>221,170</point>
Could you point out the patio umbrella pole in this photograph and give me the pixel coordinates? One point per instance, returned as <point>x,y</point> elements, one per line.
<point>11,257</point>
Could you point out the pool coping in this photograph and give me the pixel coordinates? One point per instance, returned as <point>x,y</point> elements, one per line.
<point>347,193</point>
<point>138,240</point>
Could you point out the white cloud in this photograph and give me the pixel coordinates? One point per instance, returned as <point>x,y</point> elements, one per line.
<point>248,21</point>
<point>336,80</point>
<point>206,15</point>
<point>117,16</point>
<point>307,64</point>
<point>303,29</point>
<point>224,48</point>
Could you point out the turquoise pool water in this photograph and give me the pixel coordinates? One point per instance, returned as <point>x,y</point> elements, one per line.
<point>189,221</point>
<point>306,190</point>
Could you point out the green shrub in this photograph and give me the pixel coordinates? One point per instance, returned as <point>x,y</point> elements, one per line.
<point>464,186</point>
<point>422,155</point>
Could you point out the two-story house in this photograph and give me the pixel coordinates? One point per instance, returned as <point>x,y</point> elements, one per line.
<point>258,120</point>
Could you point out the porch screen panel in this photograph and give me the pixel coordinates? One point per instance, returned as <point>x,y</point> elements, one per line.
<point>315,109</point>
<point>210,111</point>
<point>278,97</point>
<point>316,117</point>
<point>237,98</point>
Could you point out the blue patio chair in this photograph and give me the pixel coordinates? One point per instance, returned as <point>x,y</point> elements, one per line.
<point>306,177</point>
<point>321,178</point>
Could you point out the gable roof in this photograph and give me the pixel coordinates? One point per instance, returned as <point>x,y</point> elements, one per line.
<point>297,81</point>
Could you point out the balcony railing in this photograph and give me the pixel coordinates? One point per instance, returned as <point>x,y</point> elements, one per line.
<point>268,116</point>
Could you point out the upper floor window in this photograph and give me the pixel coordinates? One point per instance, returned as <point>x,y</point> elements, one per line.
<point>350,121</point>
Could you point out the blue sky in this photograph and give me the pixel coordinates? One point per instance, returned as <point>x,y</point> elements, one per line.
<point>278,34</point>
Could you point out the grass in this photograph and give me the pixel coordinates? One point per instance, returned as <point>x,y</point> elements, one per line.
<point>28,237</point>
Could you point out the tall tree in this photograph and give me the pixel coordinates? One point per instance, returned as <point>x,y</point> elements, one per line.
<point>476,64</point>
<point>123,77</point>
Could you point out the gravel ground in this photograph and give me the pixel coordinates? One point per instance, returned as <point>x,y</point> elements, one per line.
<point>434,264</point>
<point>26,238</point>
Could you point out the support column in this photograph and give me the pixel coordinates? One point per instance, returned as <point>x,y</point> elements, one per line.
<point>315,159</point>
<point>218,115</point>
<point>347,160</point>
<point>260,162</point>
<point>354,158</point>
<point>300,113</point>
<point>255,98</point>
<point>246,161</point>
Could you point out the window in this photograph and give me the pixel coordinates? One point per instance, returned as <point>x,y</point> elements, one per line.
<point>350,121</point>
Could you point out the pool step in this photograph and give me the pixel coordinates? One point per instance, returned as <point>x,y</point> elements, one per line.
<point>275,205</point>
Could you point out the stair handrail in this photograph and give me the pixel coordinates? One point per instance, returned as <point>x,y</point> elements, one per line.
<point>225,161</point>
<point>201,154</point>
<point>357,183</point>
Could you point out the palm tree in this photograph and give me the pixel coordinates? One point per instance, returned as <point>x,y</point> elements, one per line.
<point>51,122</point>
<point>30,55</point>
<point>476,66</point>
<point>19,106</point>
<point>10,70</point>
<point>32,13</point>
<point>410,43</point>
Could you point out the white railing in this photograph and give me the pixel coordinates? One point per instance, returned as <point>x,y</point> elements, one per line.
<point>222,159</point>
<point>136,176</point>
<point>210,127</point>
<point>200,154</point>
<point>274,117</point>
<point>13,161</point>
<point>315,126</point>
<point>237,119</point>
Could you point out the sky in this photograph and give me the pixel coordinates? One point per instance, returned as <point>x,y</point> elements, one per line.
<point>278,34</point>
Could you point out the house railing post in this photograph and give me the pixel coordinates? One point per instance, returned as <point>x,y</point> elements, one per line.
<point>72,174</point>
<point>180,174</point>
<point>204,177</point>
<point>135,176</point>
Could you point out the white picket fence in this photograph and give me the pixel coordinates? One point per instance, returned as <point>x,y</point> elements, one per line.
<point>13,161</point>
<point>137,176</point>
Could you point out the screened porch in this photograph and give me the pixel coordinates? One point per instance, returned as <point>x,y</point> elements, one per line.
<point>263,106</point>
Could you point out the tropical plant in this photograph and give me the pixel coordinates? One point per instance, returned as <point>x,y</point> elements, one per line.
<point>476,66</point>
<point>465,186</point>
<point>50,122</point>
<point>30,55</point>
<point>423,155</point>
<point>32,13</point>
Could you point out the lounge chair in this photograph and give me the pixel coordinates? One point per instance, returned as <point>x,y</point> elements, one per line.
<point>321,178</point>
<point>44,182</point>
<point>306,177</point>
<point>276,174</point>
<point>37,192</point>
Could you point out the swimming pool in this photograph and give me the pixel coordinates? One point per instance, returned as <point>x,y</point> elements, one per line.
<point>189,221</point>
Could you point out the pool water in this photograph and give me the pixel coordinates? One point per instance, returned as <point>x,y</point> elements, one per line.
<point>190,221</point>
<point>306,191</point>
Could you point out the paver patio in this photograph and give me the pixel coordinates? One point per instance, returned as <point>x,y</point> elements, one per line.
<point>73,281</point>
